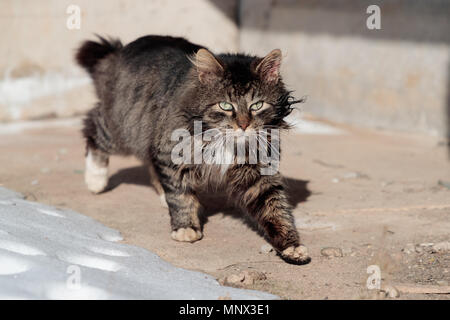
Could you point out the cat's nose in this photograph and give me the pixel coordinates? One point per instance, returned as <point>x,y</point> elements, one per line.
<point>243,126</point>
<point>243,123</point>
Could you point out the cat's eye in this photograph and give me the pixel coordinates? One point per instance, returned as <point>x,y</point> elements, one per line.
<point>256,106</point>
<point>226,106</point>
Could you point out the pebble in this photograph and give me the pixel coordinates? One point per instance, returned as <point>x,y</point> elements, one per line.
<point>245,277</point>
<point>409,248</point>
<point>441,247</point>
<point>234,278</point>
<point>445,184</point>
<point>426,244</point>
<point>348,252</point>
<point>419,249</point>
<point>391,292</point>
<point>376,295</point>
<point>265,248</point>
<point>251,276</point>
<point>442,282</point>
<point>355,175</point>
<point>332,252</point>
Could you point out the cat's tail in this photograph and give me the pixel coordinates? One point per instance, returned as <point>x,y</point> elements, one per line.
<point>91,52</point>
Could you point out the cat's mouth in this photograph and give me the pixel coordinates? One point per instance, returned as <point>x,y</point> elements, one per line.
<point>243,147</point>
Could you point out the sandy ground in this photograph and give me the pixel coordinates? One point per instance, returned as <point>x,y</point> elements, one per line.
<point>372,194</point>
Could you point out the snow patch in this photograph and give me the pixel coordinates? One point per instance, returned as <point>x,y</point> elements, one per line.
<point>17,93</point>
<point>86,292</point>
<point>106,269</point>
<point>109,252</point>
<point>11,265</point>
<point>20,248</point>
<point>17,127</point>
<point>51,213</point>
<point>113,237</point>
<point>304,126</point>
<point>91,262</point>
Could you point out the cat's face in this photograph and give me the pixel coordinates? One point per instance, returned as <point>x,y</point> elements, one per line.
<point>242,93</point>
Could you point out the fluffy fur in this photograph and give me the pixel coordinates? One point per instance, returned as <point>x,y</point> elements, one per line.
<point>155,85</point>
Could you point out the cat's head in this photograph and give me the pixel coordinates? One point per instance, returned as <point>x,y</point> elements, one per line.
<point>240,92</point>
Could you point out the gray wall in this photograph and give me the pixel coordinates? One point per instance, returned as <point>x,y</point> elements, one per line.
<point>396,77</point>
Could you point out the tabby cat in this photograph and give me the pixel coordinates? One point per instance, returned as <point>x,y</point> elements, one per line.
<point>155,85</point>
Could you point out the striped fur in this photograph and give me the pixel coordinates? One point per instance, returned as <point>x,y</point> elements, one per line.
<point>155,85</point>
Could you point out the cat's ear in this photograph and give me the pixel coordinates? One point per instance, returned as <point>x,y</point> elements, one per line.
<point>209,69</point>
<point>269,67</point>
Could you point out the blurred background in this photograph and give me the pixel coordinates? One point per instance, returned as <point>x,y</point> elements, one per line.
<point>395,78</point>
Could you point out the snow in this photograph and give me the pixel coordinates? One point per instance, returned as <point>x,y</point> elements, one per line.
<point>303,126</point>
<point>18,93</point>
<point>50,253</point>
<point>20,126</point>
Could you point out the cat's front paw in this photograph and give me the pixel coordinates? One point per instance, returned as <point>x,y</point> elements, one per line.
<point>186,235</point>
<point>296,255</point>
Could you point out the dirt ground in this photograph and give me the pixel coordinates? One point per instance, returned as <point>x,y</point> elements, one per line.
<point>373,195</point>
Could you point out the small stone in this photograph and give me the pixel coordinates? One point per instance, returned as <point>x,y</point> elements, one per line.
<point>426,244</point>
<point>419,249</point>
<point>331,252</point>
<point>441,247</point>
<point>347,252</point>
<point>381,295</point>
<point>409,248</point>
<point>442,282</point>
<point>445,184</point>
<point>355,175</point>
<point>376,295</point>
<point>335,180</point>
<point>265,248</point>
<point>245,277</point>
<point>391,292</point>
<point>251,276</point>
<point>235,278</point>
<point>34,182</point>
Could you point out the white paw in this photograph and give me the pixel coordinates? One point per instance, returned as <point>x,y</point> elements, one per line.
<point>186,235</point>
<point>162,200</point>
<point>96,183</point>
<point>95,176</point>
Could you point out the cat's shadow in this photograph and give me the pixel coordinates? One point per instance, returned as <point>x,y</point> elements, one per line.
<point>297,192</point>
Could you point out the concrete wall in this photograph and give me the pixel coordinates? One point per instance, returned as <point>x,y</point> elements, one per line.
<point>396,77</point>
<point>38,77</point>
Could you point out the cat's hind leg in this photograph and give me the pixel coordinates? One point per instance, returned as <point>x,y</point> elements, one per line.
<point>154,181</point>
<point>96,171</point>
<point>97,160</point>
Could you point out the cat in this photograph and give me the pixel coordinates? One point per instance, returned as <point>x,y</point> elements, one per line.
<point>157,84</point>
